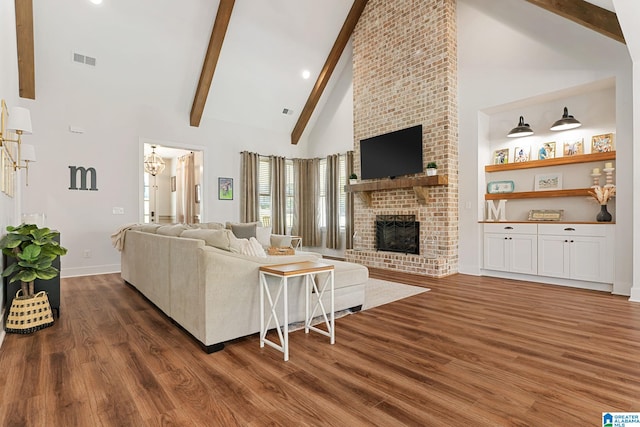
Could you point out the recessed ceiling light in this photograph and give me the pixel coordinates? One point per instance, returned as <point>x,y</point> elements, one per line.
<point>96,1</point>
<point>306,74</point>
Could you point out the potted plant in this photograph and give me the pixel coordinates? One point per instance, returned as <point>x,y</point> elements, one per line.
<point>34,250</point>
<point>432,169</point>
<point>353,178</point>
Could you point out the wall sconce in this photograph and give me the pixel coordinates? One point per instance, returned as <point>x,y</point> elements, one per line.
<point>566,122</point>
<point>17,120</point>
<point>523,129</point>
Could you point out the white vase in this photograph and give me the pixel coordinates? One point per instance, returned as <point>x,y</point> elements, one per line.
<point>432,171</point>
<point>353,181</point>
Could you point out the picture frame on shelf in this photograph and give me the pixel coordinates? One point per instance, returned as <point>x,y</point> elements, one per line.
<point>547,151</point>
<point>521,154</point>
<point>546,215</point>
<point>498,187</point>
<point>602,143</point>
<point>574,147</point>
<point>548,182</point>
<point>501,157</point>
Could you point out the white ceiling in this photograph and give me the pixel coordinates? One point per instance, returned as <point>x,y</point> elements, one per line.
<point>154,49</point>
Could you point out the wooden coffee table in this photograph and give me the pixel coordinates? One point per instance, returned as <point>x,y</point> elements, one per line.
<point>309,270</point>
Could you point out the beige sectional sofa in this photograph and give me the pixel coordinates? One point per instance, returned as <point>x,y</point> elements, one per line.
<point>213,292</point>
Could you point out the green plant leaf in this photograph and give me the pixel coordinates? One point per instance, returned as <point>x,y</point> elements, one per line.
<point>25,276</point>
<point>47,274</point>
<point>10,270</point>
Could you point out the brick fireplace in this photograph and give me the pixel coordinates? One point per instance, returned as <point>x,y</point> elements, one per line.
<point>404,74</point>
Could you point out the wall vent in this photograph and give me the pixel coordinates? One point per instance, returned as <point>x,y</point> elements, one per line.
<point>83,59</point>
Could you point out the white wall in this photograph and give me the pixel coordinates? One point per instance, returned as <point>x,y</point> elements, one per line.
<point>503,59</point>
<point>9,92</point>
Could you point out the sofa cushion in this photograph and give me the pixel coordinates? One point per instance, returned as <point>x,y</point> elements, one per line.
<point>174,230</point>
<point>220,239</point>
<point>244,231</point>
<point>263,235</point>
<point>209,225</point>
<point>146,228</point>
<point>280,240</point>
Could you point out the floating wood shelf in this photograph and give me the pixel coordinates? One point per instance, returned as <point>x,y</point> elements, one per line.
<point>580,158</point>
<point>576,192</point>
<point>364,189</point>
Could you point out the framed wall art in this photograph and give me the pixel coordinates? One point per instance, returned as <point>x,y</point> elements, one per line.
<point>225,188</point>
<point>547,151</point>
<point>573,147</point>
<point>602,143</point>
<point>501,157</point>
<point>546,215</point>
<point>521,154</point>
<point>549,181</point>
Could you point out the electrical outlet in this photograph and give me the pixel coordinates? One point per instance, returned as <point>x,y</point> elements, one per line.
<point>118,211</point>
<point>87,253</point>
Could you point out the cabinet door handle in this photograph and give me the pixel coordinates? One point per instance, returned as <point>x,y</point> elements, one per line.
<point>569,229</point>
<point>508,227</point>
<point>566,241</point>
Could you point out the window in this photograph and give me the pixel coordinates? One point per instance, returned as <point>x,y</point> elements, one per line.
<point>342,179</point>
<point>264,191</point>
<point>289,193</point>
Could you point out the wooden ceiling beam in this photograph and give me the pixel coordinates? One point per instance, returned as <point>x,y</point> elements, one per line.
<point>332,60</point>
<point>24,42</point>
<point>586,14</point>
<point>220,25</point>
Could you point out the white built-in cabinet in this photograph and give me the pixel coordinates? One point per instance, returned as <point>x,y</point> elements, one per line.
<point>576,251</point>
<point>581,252</point>
<point>511,247</point>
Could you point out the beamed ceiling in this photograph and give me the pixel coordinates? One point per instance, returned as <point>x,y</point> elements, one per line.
<point>250,42</point>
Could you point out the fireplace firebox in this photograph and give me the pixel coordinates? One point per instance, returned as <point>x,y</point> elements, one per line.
<point>398,233</point>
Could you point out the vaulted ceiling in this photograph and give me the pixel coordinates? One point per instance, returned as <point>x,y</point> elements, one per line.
<point>247,67</point>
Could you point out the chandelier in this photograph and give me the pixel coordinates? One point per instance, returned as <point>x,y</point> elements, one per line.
<point>153,163</point>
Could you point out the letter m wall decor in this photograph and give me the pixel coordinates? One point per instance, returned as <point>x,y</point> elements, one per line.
<point>75,170</point>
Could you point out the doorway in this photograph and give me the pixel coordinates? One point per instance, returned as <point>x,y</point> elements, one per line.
<point>175,194</point>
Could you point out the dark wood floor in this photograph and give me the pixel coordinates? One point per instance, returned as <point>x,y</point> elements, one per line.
<point>473,352</point>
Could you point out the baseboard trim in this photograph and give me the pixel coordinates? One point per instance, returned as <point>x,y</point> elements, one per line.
<point>90,271</point>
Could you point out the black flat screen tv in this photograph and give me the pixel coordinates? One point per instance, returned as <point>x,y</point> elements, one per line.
<point>392,154</point>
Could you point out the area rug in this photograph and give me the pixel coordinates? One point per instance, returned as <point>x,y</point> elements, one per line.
<point>377,292</point>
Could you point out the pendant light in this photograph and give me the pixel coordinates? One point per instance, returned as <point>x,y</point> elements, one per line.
<point>523,129</point>
<point>566,122</point>
<point>153,163</point>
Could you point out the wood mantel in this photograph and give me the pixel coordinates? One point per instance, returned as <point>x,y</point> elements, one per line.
<point>364,189</point>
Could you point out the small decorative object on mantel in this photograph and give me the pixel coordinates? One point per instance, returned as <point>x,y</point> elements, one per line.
<point>432,169</point>
<point>353,179</point>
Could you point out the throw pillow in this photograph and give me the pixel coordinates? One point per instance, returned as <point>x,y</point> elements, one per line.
<point>217,238</point>
<point>263,235</point>
<point>252,247</point>
<point>280,240</point>
<point>244,231</point>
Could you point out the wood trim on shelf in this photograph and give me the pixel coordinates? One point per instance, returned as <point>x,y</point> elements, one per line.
<point>364,189</point>
<point>580,158</point>
<point>575,192</point>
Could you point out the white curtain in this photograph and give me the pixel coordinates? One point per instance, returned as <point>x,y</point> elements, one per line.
<point>186,209</point>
